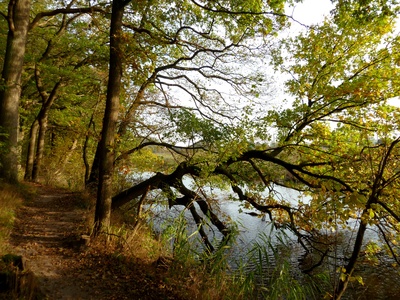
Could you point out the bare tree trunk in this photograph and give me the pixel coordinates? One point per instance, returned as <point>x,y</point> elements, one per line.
<point>140,210</point>
<point>30,157</point>
<point>40,147</point>
<point>107,142</point>
<point>85,160</point>
<point>18,24</point>
<point>47,102</point>
<point>342,286</point>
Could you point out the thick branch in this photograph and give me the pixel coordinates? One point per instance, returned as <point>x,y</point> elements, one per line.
<point>165,182</point>
<point>80,10</point>
<point>177,149</point>
<point>292,168</point>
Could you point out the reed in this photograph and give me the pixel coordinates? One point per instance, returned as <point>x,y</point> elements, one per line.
<point>198,274</point>
<point>276,277</point>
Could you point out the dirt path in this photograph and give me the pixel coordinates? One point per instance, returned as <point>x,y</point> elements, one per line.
<point>47,233</point>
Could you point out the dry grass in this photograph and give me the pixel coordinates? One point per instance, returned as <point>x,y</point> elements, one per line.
<point>22,283</point>
<point>190,278</point>
<point>11,197</point>
<point>137,248</point>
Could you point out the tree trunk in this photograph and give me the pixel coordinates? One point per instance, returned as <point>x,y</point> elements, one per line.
<point>18,24</point>
<point>85,160</point>
<point>342,286</point>
<point>40,146</point>
<point>42,118</point>
<point>30,157</point>
<point>93,178</point>
<point>90,178</point>
<point>107,142</point>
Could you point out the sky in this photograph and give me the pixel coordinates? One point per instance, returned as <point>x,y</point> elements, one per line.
<point>310,12</point>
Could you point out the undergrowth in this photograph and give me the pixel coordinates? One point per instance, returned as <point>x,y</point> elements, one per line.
<point>192,274</point>
<point>169,258</point>
<point>196,274</point>
<point>11,197</point>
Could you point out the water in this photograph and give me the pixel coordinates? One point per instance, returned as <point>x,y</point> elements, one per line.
<point>381,282</point>
<point>251,227</point>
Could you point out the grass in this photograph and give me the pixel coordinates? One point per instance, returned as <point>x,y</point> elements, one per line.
<point>192,275</point>
<point>22,284</point>
<point>11,198</point>
<point>189,274</point>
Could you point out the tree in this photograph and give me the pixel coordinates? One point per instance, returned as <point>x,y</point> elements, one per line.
<point>173,54</point>
<point>337,82</point>
<point>349,172</point>
<point>18,19</point>
<point>177,85</point>
<point>106,144</point>
<point>66,74</point>
<point>186,45</point>
<point>18,23</point>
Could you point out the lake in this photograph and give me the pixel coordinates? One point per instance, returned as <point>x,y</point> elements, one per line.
<point>381,282</point>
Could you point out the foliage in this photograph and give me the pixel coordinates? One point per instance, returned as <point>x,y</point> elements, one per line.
<point>193,103</point>
<point>366,10</point>
<point>336,143</point>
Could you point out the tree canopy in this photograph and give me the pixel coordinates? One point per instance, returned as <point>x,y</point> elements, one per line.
<point>186,88</point>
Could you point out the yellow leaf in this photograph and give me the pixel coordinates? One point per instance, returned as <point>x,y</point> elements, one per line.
<point>371,213</point>
<point>360,280</point>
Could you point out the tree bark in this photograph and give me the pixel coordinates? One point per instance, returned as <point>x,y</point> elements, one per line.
<point>107,142</point>
<point>165,182</point>
<point>64,161</point>
<point>30,157</point>
<point>88,174</point>
<point>18,24</point>
<point>40,147</point>
<point>42,119</point>
<point>342,286</point>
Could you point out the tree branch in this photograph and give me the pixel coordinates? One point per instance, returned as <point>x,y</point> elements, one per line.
<point>81,10</point>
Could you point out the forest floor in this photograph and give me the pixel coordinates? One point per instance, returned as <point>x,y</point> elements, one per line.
<point>48,234</point>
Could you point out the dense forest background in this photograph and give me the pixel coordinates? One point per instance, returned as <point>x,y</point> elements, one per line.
<point>93,92</point>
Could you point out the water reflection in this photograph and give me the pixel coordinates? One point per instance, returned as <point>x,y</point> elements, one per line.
<point>381,281</point>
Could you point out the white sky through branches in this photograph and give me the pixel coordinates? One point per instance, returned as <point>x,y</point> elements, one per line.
<point>311,12</point>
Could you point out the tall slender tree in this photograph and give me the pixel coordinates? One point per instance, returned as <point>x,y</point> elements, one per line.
<point>10,88</point>
<point>107,142</point>
<point>19,23</point>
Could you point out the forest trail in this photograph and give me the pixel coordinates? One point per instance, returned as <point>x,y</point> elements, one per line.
<point>48,234</point>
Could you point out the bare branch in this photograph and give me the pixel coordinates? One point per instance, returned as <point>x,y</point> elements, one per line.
<point>176,149</point>
<point>389,244</point>
<point>389,210</point>
<point>80,10</point>
<point>10,18</point>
